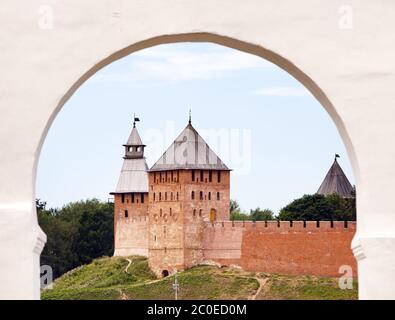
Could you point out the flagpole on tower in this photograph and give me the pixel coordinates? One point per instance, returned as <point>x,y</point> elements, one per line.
<point>135,120</point>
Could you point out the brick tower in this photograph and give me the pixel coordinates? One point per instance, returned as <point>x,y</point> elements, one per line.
<point>131,200</point>
<point>188,187</point>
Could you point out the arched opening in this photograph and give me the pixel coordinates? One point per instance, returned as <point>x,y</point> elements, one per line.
<point>165,273</point>
<point>286,65</point>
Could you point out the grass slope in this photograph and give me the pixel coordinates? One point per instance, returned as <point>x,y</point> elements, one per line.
<point>106,279</point>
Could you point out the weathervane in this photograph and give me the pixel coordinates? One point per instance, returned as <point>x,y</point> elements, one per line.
<point>135,120</point>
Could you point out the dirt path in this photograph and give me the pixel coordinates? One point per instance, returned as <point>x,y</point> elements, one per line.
<point>127,267</point>
<point>262,283</point>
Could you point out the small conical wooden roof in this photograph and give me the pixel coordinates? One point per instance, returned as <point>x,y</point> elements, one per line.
<point>336,182</point>
<point>134,138</point>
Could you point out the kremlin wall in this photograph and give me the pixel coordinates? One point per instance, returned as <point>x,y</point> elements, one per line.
<point>177,215</point>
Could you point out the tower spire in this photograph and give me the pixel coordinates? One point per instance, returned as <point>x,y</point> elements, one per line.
<point>190,116</point>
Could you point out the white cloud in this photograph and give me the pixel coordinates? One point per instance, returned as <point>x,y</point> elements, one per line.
<point>181,63</point>
<point>283,92</point>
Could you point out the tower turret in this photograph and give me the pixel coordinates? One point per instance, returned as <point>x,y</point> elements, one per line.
<point>134,147</point>
<point>131,200</point>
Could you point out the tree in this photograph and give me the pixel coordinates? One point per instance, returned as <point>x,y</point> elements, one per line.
<point>235,212</point>
<point>320,207</point>
<point>76,234</point>
<point>261,215</point>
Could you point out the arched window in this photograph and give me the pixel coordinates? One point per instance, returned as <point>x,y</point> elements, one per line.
<point>154,196</point>
<point>177,196</point>
<point>200,212</point>
<point>218,196</point>
<point>126,214</point>
<point>171,196</point>
<point>160,196</point>
<point>201,195</point>
<point>192,195</point>
<point>194,212</point>
<point>209,195</point>
<point>165,196</point>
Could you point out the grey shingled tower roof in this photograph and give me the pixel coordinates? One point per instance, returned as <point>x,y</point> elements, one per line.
<point>134,138</point>
<point>336,182</point>
<point>189,151</point>
<point>134,172</point>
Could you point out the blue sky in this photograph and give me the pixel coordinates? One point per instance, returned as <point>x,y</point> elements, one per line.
<point>262,123</point>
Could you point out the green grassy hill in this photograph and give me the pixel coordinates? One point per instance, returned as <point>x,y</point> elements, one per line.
<point>116,278</point>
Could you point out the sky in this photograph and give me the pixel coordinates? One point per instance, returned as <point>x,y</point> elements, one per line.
<point>277,138</point>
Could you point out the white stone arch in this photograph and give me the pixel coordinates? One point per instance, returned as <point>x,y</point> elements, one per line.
<point>259,51</point>
<point>350,71</point>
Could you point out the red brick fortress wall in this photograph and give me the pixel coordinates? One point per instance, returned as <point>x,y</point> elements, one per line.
<point>298,248</point>
<point>131,231</point>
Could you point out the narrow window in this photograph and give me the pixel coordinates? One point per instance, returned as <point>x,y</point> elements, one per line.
<point>218,176</point>
<point>166,176</point>
<point>122,198</point>
<point>177,196</point>
<point>132,197</point>
<point>210,176</point>
<point>142,198</point>
<point>155,176</point>
<point>165,196</point>
<point>218,196</point>
<point>160,212</point>
<point>200,212</point>
<point>154,196</point>
<point>160,196</point>
<point>126,214</point>
<point>192,195</point>
<point>178,175</point>
<point>160,176</point>
<point>201,195</point>
<point>209,195</point>
<point>172,176</point>
<point>194,212</point>
<point>171,212</point>
<point>201,175</point>
<point>193,175</point>
<point>171,196</point>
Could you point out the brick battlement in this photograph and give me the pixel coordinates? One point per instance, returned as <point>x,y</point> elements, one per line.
<point>279,226</point>
<point>284,247</point>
